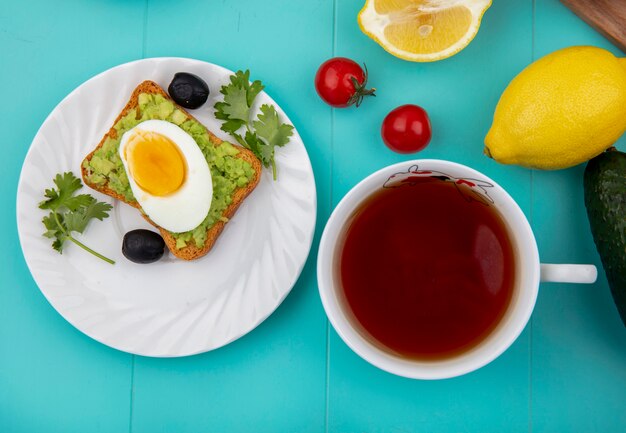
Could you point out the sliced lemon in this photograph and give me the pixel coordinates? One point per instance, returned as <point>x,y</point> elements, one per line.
<point>422,30</point>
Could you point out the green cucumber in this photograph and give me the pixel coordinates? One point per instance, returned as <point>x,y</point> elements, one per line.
<point>605,199</point>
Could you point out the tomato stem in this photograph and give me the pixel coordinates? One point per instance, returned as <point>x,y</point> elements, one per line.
<point>360,89</point>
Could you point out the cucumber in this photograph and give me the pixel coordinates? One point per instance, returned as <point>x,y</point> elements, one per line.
<point>605,200</point>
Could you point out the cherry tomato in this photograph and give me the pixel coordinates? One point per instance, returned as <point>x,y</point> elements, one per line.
<point>341,82</point>
<point>406,129</point>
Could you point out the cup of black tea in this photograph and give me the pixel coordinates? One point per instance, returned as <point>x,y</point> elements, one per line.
<point>428,269</point>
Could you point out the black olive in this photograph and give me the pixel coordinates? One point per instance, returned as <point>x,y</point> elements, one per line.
<point>188,90</point>
<point>143,246</point>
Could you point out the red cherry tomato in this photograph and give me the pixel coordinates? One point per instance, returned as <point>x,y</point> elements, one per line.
<point>406,129</point>
<point>341,82</point>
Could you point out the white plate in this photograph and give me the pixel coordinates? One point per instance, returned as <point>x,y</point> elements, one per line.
<point>171,307</point>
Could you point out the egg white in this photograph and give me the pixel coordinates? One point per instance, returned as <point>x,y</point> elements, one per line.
<point>187,207</point>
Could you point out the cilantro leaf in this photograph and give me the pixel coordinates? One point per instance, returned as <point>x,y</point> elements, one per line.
<point>58,244</point>
<point>73,203</point>
<point>263,134</point>
<point>53,229</point>
<point>239,96</point>
<point>70,213</point>
<point>270,128</point>
<point>67,184</point>
<point>51,222</point>
<point>51,233</point>
<point>242,80</point>
<point>77,221</point>
<point>235,104</point>
<point>255,88</point>
<point>260,149</point>
<point>240,140</point>
<point>230,125</point>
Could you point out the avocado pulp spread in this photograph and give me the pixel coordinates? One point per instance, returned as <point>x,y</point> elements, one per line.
<point>228,171</point>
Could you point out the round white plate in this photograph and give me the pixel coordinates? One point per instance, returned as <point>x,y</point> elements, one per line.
<point>171,307</point>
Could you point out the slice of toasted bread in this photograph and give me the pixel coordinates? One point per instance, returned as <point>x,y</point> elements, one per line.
<point>191,251</point>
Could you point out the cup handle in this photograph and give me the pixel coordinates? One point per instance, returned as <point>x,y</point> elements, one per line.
<point>583,274</point>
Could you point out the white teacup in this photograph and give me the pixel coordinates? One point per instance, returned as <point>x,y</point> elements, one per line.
<point>529,272</point>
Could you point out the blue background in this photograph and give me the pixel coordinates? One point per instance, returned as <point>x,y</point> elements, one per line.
<point>565,373</point>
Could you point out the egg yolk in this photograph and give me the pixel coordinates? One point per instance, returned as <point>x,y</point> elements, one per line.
<point>155,163</point>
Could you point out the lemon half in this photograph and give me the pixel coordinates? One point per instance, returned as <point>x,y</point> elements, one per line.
<point>422,30</point>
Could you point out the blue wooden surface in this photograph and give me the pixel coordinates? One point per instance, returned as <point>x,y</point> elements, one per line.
<point>567,370</point>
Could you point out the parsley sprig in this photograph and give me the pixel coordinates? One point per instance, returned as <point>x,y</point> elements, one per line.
<point>71,213</point>
<point>262,135</point>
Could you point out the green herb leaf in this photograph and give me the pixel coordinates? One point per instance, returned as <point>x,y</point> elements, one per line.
<point>242,80</point>
<point>70,213</point>
<point>255,88</point>
<point>262,135</point>
<point>238,98</point>
<point>260,149</point>
<point>77,221</point>
<point>58,244</point>
<point>67,184</point>
<point>50,223</point>
<point>55,231</point>
<point>240,140</point>
<point>270,128</point>
<point>74,203</point>
<point>235,104</point>
<point>231,126</point>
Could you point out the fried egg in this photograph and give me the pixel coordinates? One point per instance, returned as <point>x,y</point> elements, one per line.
<point>168,174</point>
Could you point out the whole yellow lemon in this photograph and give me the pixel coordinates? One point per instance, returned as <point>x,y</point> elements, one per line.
<point>560,111</point>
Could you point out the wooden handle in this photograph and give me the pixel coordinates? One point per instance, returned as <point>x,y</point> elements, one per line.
<point>606,16</point>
